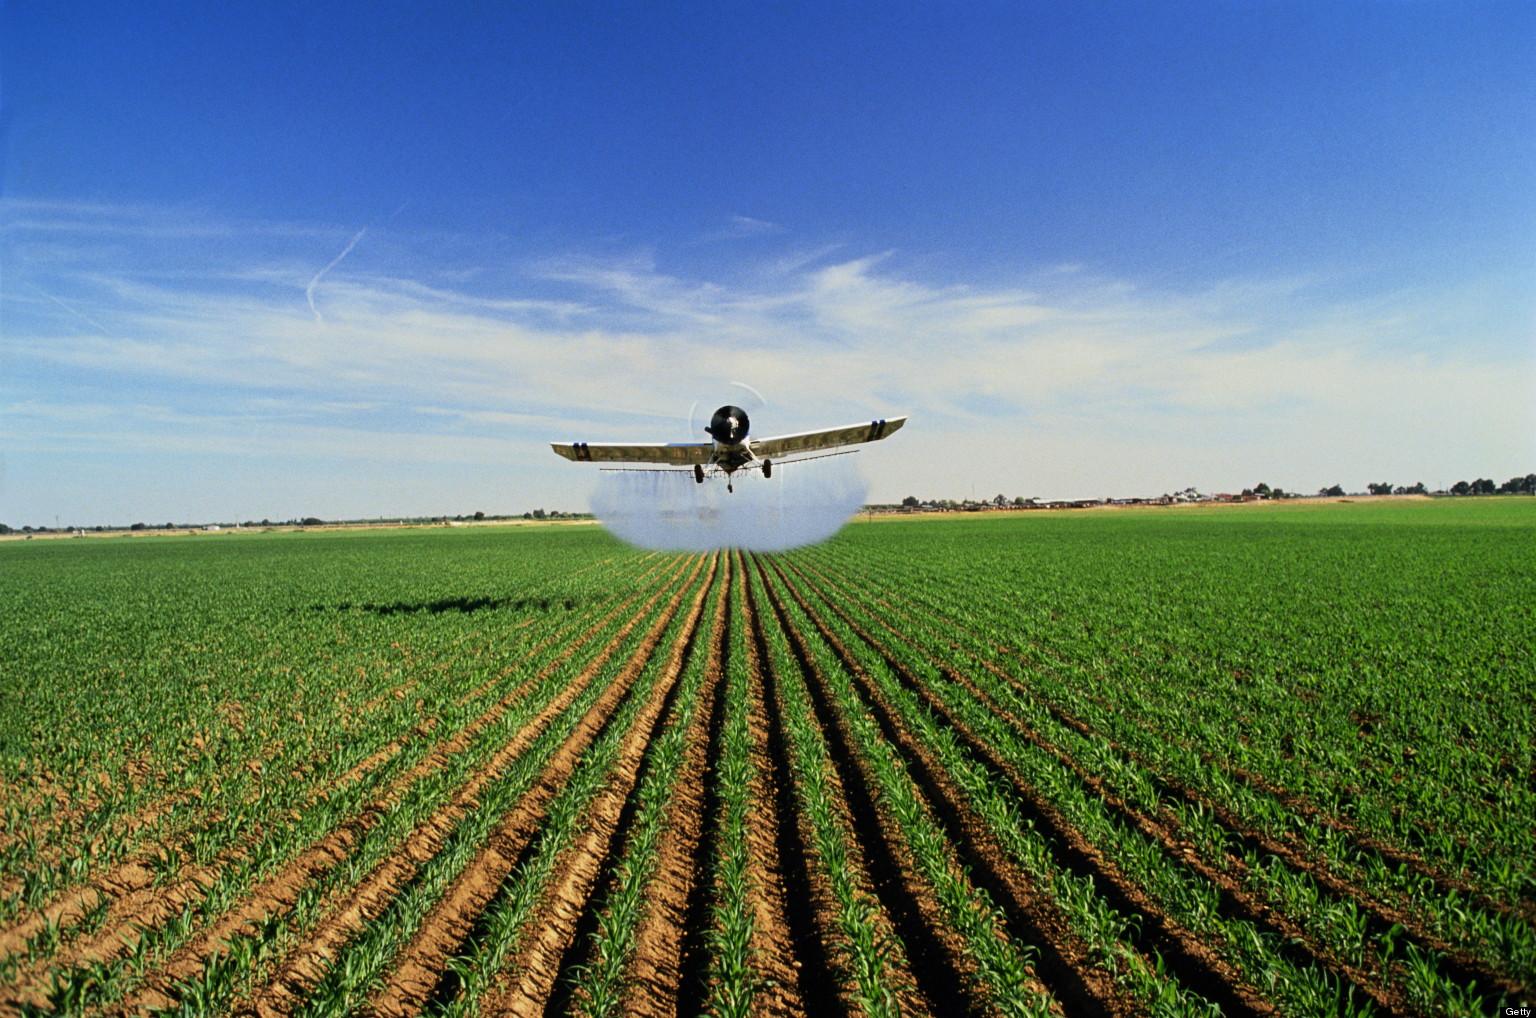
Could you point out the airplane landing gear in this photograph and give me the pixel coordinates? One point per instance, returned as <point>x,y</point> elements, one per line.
<point>698,474</point>
<point>729,488</point>
<point>767,468</point>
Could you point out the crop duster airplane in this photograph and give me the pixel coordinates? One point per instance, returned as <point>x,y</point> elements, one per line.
<point>731,450</point>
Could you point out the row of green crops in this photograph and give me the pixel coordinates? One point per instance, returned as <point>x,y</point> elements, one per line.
<point>1201,669</point>
<point>310,743</point>
<point>1178,762</point>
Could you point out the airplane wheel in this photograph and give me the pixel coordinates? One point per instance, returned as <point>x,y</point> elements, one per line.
<point>767,468</point>
<point>698,474</point>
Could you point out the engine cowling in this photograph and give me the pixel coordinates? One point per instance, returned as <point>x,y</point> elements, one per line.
<point>729,425</point>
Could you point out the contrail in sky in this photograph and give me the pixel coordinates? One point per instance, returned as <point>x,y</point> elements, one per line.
<point>75,311</point>
<point>309,291</point>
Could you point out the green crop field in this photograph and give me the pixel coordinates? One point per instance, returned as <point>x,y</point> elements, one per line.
<point>1241,760</point>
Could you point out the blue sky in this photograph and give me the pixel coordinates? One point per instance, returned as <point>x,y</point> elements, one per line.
<point>289,260</point>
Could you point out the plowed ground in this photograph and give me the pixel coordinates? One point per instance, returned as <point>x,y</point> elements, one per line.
<point>504,888</point>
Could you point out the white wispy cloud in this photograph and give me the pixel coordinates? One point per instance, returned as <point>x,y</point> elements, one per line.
<point>1061,382</point>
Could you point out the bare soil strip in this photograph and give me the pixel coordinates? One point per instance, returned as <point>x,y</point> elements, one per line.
<point>945,973</point>
<point>1065,962</point>
<point>781,973</point>
<point>126,883</point>
<point>1454,963</point>
<point>654,972</point>
<point>1228,874</point>
<point>307,963</point>
<point>1195,964</point>
<point>1362,840</point>
<point>537,961</point>
<point>278,893</point>
<point>693,987</point>
<point>811,907</point>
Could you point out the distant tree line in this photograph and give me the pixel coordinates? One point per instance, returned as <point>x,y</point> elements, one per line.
<point>1483,486</point>
<point>999,500</point>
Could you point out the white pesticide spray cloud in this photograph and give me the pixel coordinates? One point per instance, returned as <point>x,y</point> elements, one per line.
<point>802,503</point>
<point>309,291</point>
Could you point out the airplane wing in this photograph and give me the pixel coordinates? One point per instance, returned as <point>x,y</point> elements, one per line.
<point>678,453</point>
<point>831,438</point>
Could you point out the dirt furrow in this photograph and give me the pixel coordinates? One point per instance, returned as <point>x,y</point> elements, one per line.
<point>307,963</point>
<point>1363,841</point>
<point>1229,875</point>
<point>421,966</point>
<point>529,977</point>
<point>811,906</point>
<point>278,893</point>
<point>1164,827</point>
<point>656,970</point>
<point>781,973</point>
<point>1065,962</point>
<point>1195,964</point>
<point>945,972</point>
<point>694,940</point>
<point>125,883</point>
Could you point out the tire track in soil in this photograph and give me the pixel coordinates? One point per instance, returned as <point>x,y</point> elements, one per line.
<point>1065,961</point>
<point>279,893</point>
<point>810,906</point>
<point>945,975</point>
<point>1454,963</point>
<point>1192,962</point>
<point>422,973</point>
<point>1362,841</point>
<point>654,971</point>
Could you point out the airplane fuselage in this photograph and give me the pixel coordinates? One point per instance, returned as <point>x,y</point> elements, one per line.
<point>729,427</point>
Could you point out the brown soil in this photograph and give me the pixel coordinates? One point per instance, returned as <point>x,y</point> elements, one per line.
<point>946,975</point>
<point>777,964</point>
<point>811,906</point>
<point>1190,959</point>
<point>307,963</point>
<point>416,973</point>
<point>655,972</point>
<point>533,969</point>
<point>277,894</point>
